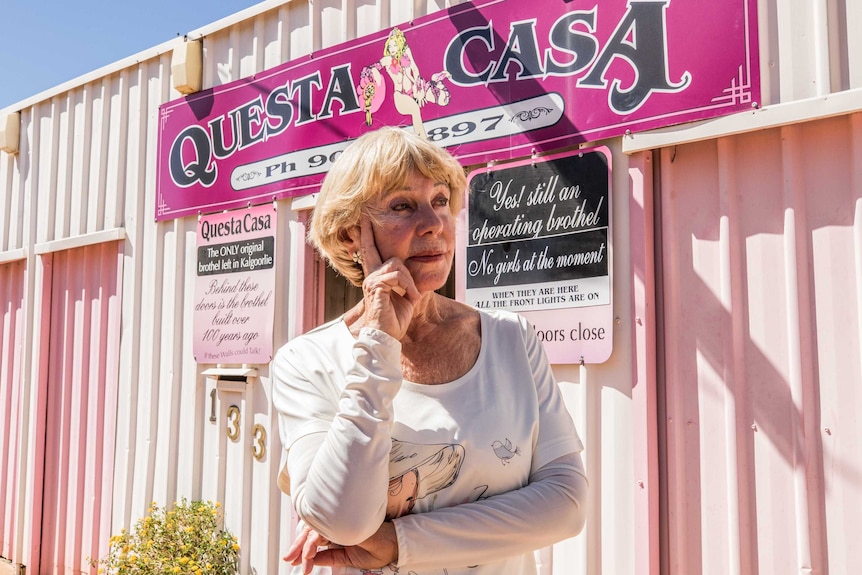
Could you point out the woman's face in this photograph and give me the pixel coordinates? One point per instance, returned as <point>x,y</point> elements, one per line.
<point>415,224</point>
<point>393,46</point>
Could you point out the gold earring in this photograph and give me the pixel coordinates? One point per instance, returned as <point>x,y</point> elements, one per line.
<point>357,257</point>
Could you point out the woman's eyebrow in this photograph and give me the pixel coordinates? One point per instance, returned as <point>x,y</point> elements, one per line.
<point>409,188</point>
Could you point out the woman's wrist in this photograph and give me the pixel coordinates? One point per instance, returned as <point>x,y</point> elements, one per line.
<point>389,537</point>
<point>380,336</point>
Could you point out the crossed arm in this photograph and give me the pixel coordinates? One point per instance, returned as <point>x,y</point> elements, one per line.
<point>339,479</point>
<point>550,508</point>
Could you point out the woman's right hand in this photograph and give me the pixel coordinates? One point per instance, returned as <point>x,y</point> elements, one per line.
<point>304,548</point>
<point>389,292</point>
<point>310,548</point>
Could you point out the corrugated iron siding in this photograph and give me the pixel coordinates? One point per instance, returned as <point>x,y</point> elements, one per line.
<point>761,250</point>
<point>12,406</point>
<point>809,48</point>
<point>744,227</point>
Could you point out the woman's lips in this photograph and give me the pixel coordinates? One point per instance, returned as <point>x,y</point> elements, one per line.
<point>427,256</point>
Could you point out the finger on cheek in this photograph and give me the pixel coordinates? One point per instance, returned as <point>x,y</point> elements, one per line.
<point>370,255</point>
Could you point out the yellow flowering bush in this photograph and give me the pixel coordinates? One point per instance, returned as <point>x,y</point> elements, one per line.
<point>186,540</point>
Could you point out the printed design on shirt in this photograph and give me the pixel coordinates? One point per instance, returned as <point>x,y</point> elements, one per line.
<point>478,493</point>
<point>504,451</point>
<point>396,571</point>
<point>417,470</point>
<point>389,569</point>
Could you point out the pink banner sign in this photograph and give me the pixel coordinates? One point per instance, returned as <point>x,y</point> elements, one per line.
<point>489,80</point>
<point>234,301</point>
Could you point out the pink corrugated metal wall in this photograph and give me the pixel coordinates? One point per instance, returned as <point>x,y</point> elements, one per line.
<point>81,407</point>
<point>761,367</point>
<point>11,403</point>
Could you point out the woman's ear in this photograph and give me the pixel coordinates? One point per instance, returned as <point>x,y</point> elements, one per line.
<point>349,237</point>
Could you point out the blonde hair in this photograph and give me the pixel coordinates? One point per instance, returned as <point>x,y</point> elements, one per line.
<point>376,163</point>
<point>399,38</point>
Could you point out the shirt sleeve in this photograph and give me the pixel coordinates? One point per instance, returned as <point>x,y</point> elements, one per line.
<point>338,443</point>
<point>550,508</point>
<point>557,434</point>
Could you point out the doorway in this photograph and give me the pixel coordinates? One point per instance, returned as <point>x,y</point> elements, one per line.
<point>81,370</point>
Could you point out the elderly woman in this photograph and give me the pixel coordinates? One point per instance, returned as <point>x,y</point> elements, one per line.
<point>423,436</point>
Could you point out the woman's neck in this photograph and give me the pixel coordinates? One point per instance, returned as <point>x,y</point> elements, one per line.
<point>428,313</point>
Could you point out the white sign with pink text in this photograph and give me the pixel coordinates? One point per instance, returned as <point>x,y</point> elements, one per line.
<point>234,287</point>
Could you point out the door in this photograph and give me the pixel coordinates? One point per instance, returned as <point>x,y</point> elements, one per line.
<point>80,425</point>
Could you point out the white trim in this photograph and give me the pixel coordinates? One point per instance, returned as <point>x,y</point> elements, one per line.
<point>13,255</point>
<point>148,54</point>
<point>236,17</point>
<point>9,568</point>
<point>304,202</point>
<point>230,371</point>
<point>231,385</point>
<point>111,235</point>
<point>818,108</point>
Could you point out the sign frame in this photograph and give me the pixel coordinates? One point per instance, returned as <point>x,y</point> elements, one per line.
<point>555,202</point>
<point>489,80</point>
<point>235,279</point>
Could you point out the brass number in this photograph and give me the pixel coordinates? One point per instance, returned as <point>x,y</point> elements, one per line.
<point>213,406</point>
<point>258,448</point>
<point>233,422</point>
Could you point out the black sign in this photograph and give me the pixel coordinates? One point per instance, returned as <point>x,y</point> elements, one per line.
<point>544,222</point>
<point>239,256</point>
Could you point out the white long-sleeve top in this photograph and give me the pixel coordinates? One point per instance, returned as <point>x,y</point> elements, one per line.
<point>475,473</point>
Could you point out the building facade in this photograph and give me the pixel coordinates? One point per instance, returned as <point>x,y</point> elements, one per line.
<point>721,432</point>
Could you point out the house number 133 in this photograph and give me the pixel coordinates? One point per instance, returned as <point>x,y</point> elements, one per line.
<point>258,433</point>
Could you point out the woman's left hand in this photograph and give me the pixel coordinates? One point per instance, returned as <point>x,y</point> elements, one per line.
<point>377,551</point>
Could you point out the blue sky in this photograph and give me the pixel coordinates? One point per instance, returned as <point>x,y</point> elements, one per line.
<point>45,43</point>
